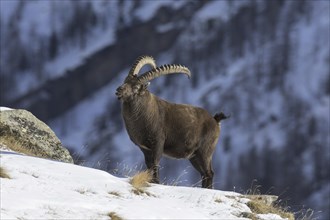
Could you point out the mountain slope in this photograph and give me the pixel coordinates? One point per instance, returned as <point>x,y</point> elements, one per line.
<point>53,190</point>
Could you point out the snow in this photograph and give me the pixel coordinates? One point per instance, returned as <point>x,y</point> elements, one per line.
<point>41,18</point>
<point>149,8</point>
<point>76,56</point>
<point>26,82</point>
<point>307,63</point>
<point>10,7</point>
<point>45,189</point>
<point>5,109</point>
<point>268,216</point>
<point>68,60</point>
<point>220,9</point>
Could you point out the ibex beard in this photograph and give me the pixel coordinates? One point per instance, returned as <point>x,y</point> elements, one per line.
<point>159,127</point>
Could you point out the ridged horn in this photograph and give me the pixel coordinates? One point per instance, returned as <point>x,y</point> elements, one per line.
<point>140,62</point>
<point>163,70</point>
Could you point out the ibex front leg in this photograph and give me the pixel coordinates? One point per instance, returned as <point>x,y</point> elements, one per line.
<point>152,159</point>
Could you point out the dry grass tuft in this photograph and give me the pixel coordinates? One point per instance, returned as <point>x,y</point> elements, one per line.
<point>264,204</point>
<point>3,173</point>
<point>249,215</point>
<point>142,192</point>
<point>17,146</point>
<point>114,193</point>
<point>141,180</point>
<point>114,216</point>
<point>258,206</point>
<point>218,200</point>
<point>307,214</point>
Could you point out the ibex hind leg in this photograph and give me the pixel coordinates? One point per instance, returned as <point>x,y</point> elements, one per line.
<point>204,167</point>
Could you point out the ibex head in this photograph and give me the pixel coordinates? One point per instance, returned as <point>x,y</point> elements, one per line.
<point>135,85</point>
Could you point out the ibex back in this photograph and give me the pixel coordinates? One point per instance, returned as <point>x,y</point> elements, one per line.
<point>159,127</point>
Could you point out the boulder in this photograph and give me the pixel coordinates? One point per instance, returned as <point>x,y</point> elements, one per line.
<point>22,132</point>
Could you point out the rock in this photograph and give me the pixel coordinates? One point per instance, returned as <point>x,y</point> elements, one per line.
<point>22,132</point>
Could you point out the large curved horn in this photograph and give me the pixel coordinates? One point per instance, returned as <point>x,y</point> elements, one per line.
<point>140,62</point>
<point>163,70</point>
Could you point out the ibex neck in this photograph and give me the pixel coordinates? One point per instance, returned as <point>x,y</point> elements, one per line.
<point>139,107</point>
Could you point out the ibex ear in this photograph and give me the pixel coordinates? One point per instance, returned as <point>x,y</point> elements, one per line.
<point>145,85</point>
<point>144,88</point>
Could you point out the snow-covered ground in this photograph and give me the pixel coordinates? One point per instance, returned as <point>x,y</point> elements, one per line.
<point>44,189</point>
<point>4,109</point>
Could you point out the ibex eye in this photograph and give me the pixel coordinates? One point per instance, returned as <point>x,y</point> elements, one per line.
<point>136,88</point>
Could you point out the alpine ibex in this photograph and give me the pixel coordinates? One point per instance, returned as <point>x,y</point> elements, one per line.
<point>159,127</point>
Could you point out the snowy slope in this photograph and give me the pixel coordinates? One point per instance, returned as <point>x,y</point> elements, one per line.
<point>45,189</point>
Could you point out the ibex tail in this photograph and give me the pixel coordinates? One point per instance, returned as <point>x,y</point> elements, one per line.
<point>220,116</point>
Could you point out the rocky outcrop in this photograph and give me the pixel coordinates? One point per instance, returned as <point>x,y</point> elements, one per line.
<point>22,132</point>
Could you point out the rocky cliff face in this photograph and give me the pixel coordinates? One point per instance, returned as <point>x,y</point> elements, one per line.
<point>265,62</point>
